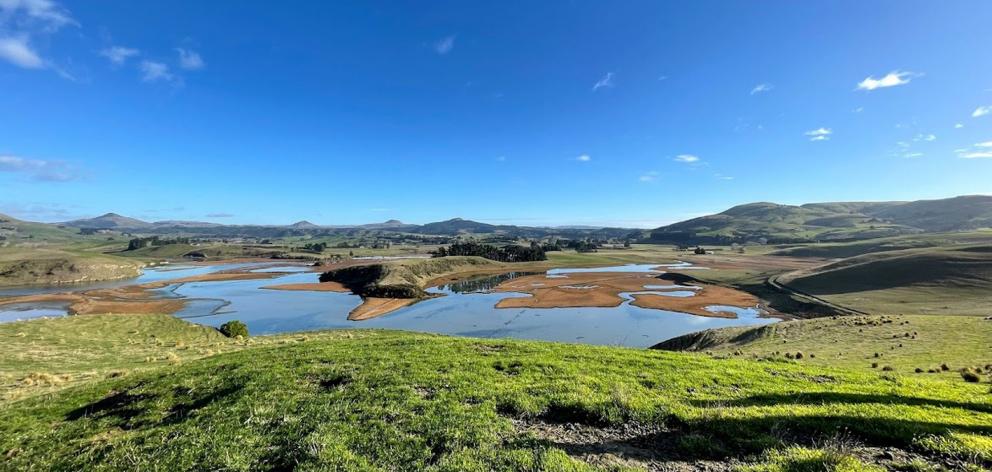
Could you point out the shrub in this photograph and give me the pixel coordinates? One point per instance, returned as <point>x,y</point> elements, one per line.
<point>888,368</point>
<point>233,329</point>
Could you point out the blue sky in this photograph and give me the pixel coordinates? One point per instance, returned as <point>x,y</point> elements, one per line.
<point>633,113</point>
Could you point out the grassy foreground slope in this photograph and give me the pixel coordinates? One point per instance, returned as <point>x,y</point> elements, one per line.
<point>901,343</point>
<point>376,400</point>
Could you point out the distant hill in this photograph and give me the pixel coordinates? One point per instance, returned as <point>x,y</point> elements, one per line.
<point>108,221</point>
<point>452,227</point>
<point>304,225</point>
<point>833,221</point>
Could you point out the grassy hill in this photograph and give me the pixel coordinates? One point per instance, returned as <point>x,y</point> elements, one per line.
<point>22,266</point>
<point>830,221</point>
<point>944,280</point>
<point>903,343</point>
<point>375,400</point>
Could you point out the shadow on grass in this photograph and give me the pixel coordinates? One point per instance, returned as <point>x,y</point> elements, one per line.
<point>820,398</point>
<point>123,408</point>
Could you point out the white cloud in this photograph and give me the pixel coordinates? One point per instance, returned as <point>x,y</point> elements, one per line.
<point>119,54</point>
<point>958,126</point>
<point>819,134</point>
<point>981,150</point>
<point>190,60</point>
<point>649,176</point>
<point>686,158</point>
<point>583,158</point>
<point>912,155</point>
<point>858,110</point>
<point>23,20</point>
<point>925,137</point>
<point>444,45</point>
<point>152,71</point>
<point>981,111</point>
<point>45,13</point>
<point>38,169</point>
<point>606,81</point>
<point>762,88</point>
<point>891,79</point>
<point>17,51</point>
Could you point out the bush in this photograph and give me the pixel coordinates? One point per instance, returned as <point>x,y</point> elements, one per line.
<point>233,329</point>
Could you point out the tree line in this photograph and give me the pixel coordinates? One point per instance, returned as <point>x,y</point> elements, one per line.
<point>510,253</point>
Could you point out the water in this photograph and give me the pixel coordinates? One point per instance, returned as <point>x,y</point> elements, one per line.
<point>27,311</point>
<point>466,309</point>
<point>149,274</point>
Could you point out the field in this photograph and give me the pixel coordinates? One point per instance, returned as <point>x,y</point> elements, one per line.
<point>866,343</point>
<point>376,400</point>
<point>953,280</point>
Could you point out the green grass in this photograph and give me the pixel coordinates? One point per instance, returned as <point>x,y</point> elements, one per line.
<point>853,342</point>
<point>857,248</point>
<point>378,400</point>
<point>41,356</point>
<point>22,266</point>
<point>945,280</point>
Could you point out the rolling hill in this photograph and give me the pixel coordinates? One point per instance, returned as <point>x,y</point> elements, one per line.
<point>834,221</point>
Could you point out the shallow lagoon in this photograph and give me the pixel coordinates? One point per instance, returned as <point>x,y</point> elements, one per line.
<point>466,309</point>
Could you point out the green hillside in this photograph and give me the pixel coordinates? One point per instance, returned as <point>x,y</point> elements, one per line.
<point>830,221</point>
<point>375,400</point>
<point>945,280</point>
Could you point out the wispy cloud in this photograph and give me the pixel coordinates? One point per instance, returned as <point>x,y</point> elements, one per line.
<point>444,45</point>
<point>606,81</point>
<point>982,150</point>
<point>649,176</point>
<point>687,158</point>
<point>118,55</point>
<point>45,14</point>
<point>762,88</point>
<point>152,71</point>
<point>38,169</point>
<point>891,79</point>
<point>583,158</point>
<point>925,137</point>
<point>190,60</point>
<point>22,20</point>
<point>819,134</point>
<point>17,51</point>
<point>219,215</point>
<point>981,111</point>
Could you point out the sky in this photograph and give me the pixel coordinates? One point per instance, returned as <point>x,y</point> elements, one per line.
<point>630,113</point>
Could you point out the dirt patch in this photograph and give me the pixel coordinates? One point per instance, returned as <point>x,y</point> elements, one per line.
<point>710,295</point>
<point>372,307</point>
<point>603,289</point>
<point>311,287</point>
<point>648,447</point>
